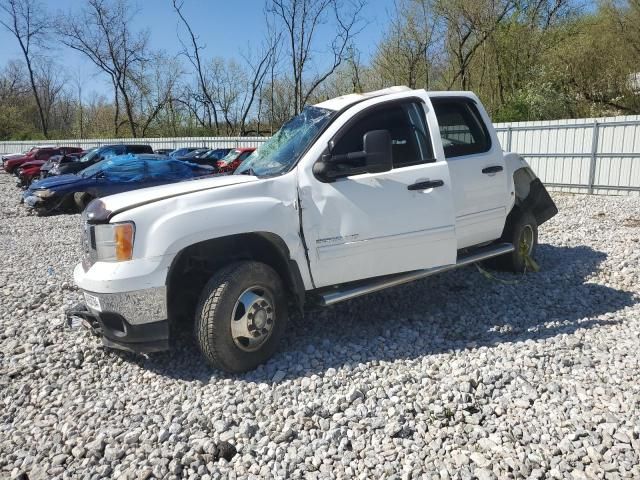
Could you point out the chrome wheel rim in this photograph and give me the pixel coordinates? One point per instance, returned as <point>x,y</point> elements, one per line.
<point>253,318</point>
<point>526,240</point>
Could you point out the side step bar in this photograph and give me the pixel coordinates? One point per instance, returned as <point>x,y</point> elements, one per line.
<point>380,283</point>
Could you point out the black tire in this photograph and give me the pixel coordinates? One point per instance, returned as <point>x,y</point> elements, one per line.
<point>519,226</point>
<point>82,199</point>
<point>220,302</point>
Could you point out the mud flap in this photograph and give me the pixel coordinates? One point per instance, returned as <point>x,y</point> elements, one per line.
<point>539,202</point>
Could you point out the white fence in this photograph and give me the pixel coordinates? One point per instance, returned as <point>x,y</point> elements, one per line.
<point>592,155</point>
<point>156,143</point>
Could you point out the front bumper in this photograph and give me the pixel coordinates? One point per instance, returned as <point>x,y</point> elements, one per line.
<point>134,321</point>
<point>39,203</point>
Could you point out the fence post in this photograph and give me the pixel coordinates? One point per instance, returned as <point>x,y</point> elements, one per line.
<point>509,134</point>
<point>594,156</point>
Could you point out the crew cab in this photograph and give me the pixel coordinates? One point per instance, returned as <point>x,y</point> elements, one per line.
<point>353,195</point>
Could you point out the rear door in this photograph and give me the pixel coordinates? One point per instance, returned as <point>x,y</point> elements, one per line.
<point>369,225</point>
<point>477,168</point>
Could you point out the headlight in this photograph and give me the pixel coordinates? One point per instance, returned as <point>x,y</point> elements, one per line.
<point>44,193</point>
<point>114,241</point>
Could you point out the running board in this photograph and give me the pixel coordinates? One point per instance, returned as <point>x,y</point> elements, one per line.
<point>380,283</point>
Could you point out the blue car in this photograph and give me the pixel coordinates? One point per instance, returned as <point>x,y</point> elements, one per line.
<point>118,174</point>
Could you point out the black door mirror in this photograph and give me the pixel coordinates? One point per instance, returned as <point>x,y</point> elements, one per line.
<point>377,149</point>
<point>376,157</point>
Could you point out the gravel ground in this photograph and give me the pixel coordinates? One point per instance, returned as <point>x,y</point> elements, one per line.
<point>456,376</point>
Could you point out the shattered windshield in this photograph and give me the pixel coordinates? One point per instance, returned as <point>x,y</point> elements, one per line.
<point>90,155</point>
<point>283,150</point>
<point>93,169</point>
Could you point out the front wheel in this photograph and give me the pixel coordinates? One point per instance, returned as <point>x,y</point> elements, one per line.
<point>241,316</point>
<point>82,199</point>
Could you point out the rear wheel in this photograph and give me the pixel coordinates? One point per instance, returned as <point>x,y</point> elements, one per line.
<point>522,232</point>
<point>241,316</point>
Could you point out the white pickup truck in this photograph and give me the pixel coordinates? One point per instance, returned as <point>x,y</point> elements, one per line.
<point>353,195</point>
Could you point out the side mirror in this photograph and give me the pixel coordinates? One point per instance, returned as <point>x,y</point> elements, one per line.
<point>377,156</point>
<point>377,148</point>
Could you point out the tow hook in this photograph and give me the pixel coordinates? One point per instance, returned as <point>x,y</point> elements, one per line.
<point>80,316</point>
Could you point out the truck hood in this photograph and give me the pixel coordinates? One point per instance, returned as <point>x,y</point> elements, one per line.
<point>124,201</point>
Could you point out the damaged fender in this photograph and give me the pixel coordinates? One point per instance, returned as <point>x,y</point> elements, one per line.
<point>528,190</point>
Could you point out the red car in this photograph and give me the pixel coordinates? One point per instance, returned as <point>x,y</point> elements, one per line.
<point>30,171</point>
<point>11,165</point>
<point>233,159</point>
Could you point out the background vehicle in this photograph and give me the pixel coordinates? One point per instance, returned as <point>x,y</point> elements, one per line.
<point>353,195</point>
<point>192,154</point>
<point>115,175</point>
<point>97,155</point>
<point>163,151</point>
<point>12,164</point>
<point>61,159</point>
<point>233,159</point>
<point>28,172</point>
<point>205,156</point>
<point>180,152</point>
<point>8,156</point>
<point>215,154</point>
<point>33,170</point>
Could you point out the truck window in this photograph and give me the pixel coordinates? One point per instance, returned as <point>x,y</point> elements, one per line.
<point>461,128</point>
<point>407,126</point>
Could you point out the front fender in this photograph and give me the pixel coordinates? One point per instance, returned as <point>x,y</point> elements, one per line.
<point>167,226</point>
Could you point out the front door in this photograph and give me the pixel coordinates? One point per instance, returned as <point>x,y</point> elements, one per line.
<point>369,225</point>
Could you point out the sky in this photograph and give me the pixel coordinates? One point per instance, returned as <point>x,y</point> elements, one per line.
<point>227,28</point>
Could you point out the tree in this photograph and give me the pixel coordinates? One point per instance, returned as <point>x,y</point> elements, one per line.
<point>192,53</point>
<point>406,55</point>
<point>156,88</point>
<point>301,20</point>
<point>25,20</point>
<point>102,32</point>
<point>468,25</point>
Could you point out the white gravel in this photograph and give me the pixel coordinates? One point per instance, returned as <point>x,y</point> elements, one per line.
<point>456,376</point>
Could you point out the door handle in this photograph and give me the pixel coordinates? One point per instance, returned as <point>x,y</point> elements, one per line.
<point>426,184</point>
<point>492,169</point>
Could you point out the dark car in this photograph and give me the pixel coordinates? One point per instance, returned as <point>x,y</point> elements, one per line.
<point>214,155</point>
<point>12,165</point>
<point>206,156</point>
<point>94,156</point>
<point>163,151</point>
<point>182,151</point>
<point>61,159</point>
<point>36,169</point>
<point>119,174</point>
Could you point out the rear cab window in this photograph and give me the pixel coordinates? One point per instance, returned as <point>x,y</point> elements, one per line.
<point>461,127</point>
